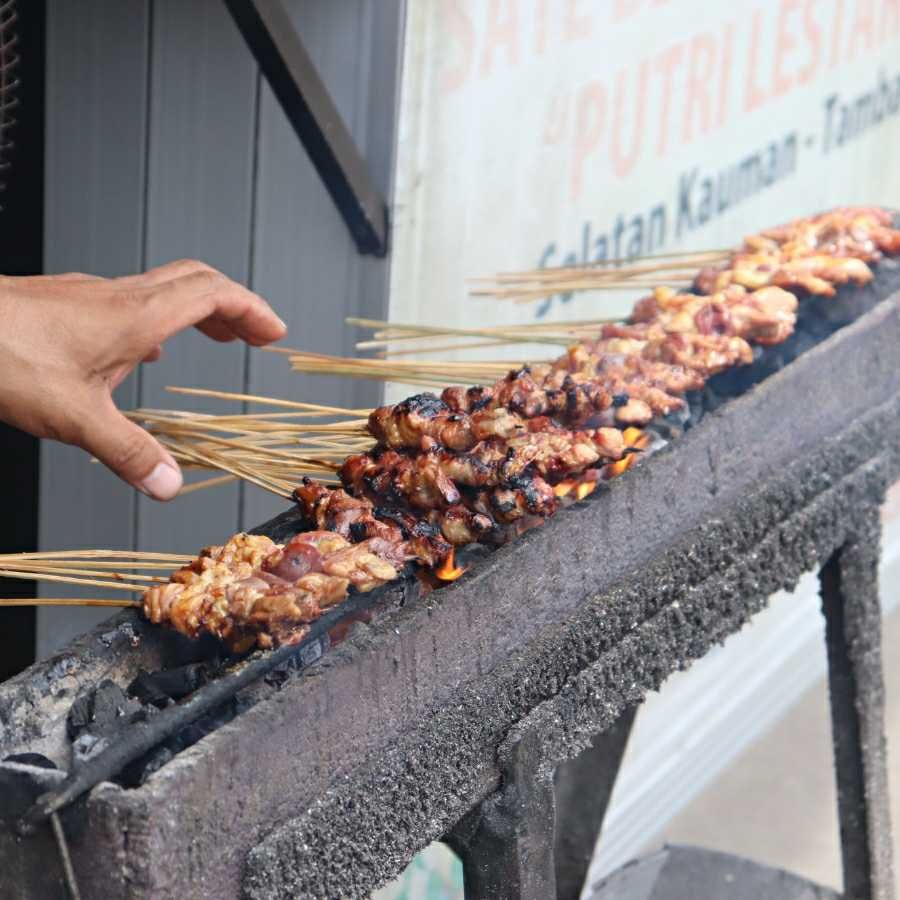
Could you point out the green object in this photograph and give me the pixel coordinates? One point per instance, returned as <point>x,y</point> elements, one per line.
<point>435,874</point>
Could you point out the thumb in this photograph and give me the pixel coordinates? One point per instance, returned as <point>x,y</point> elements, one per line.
<point>133,454</point>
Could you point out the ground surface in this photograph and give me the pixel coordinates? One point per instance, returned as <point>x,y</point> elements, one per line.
<point>776,802</point>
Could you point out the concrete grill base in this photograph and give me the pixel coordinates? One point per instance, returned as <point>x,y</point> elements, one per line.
<point>327,786</point>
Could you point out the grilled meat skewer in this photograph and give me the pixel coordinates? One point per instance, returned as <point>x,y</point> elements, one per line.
<point>481,463</point>
<point>251,590</point>
<point>813,254</point>
<point>358,519</point>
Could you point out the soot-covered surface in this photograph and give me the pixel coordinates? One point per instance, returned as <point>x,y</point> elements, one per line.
<point>337,777</point>
<point>363,831</point>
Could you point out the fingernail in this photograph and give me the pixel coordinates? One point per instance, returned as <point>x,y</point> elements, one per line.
<point>282,322</point>
<point>163,483</point>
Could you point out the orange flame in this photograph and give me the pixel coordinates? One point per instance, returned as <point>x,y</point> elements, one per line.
<point>635,439</point>
<point>585,489</point>
<point>564,488</point>
<point>614,469</point>
<point>448,570</point>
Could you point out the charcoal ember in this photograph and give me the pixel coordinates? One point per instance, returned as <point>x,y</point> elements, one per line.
<point>674,425</point>
<point>284,526</point>
<point>38,760</point>
<point>145,689</point>
<point>98,714</point>
<point>137,772</point>
<point>277,678</point>
<point>162,688</point>
<point>87,745</point>
<point>100,710</point>
<point>471,554</point>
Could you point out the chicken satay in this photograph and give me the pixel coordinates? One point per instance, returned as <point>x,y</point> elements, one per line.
<point>765,316</point>
<point>253,590</point>
<point>813,254</point>
<point>403,425</point>
<point>707,354</point>
<point>358,519</point>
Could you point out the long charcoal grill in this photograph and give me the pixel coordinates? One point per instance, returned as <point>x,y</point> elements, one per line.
<point>487,710</point>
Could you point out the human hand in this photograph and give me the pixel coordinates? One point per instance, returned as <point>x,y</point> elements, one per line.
<point>67,341</point>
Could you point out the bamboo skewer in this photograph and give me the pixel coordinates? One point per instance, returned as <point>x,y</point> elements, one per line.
<point>272,401</point>
<point>689,256</point>
<point>444,330</point>
<point>69,601</point>
<point>207,483</point>
<point>611,272</point>
<point>626,265</point>
<point>62,570</point>
<point>61,565</point>
<point>217,461</point>
<point>643,273</point>
<point>93,554</point>
<point>70,579</point>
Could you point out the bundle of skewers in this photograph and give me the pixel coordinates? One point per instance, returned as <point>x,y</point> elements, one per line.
<point>398,488</point>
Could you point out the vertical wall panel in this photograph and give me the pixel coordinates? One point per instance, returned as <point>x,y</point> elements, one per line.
<point>157,150</point>
<point>95,166</point>
<point>199,200</point>
<point>304,260</point>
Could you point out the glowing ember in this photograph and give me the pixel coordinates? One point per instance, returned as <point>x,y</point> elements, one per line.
<point>564,488</point>
<point>448,570</point>
<point>635,439</point>
<point>585,489</point>
<point>613,470</point>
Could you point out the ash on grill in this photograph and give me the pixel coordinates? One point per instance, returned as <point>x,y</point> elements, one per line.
<point>100,714</point>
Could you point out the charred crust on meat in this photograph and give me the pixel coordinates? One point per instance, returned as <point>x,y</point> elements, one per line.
<point>426,404</point>
<point>359,531</point>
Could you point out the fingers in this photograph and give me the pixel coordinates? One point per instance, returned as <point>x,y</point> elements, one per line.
<point>129,451</point>
<point>166,272</point>
<point>220,307</point>
<point>71,276</point>
<point>218,331</point>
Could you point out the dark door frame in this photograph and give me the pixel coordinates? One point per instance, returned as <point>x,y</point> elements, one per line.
<point>21,253</point>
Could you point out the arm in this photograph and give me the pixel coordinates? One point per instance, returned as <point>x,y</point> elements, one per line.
<point>67,341</point>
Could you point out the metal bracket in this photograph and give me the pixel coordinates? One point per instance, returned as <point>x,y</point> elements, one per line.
<point>282,58</point>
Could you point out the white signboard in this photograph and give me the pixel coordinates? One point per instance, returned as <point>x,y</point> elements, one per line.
<point>551,132</point>
<point>556,132</point>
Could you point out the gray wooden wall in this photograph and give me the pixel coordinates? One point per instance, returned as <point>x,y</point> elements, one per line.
<point>164,142</point>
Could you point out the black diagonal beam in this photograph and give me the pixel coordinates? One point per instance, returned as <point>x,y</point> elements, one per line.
<point>283,60</point>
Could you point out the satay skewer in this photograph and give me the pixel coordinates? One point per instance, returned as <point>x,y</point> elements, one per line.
<point>70,601</point>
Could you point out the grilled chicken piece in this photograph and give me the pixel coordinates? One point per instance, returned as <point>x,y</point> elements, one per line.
<point>528,495</point>
<point>705,354</point>
<point>765,316</point>
<point>816,274</point>
<point>865,232</point>
<point>432,479</point>
<point>358,519</point>
<point>814,254</point>
<point>329,509</point>
<point>252,590</point>
<point>428,416</point>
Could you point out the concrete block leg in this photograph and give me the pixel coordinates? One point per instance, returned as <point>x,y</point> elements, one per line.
<point>534,838</point>
<point>583,788</point>
<point>849,585</point>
